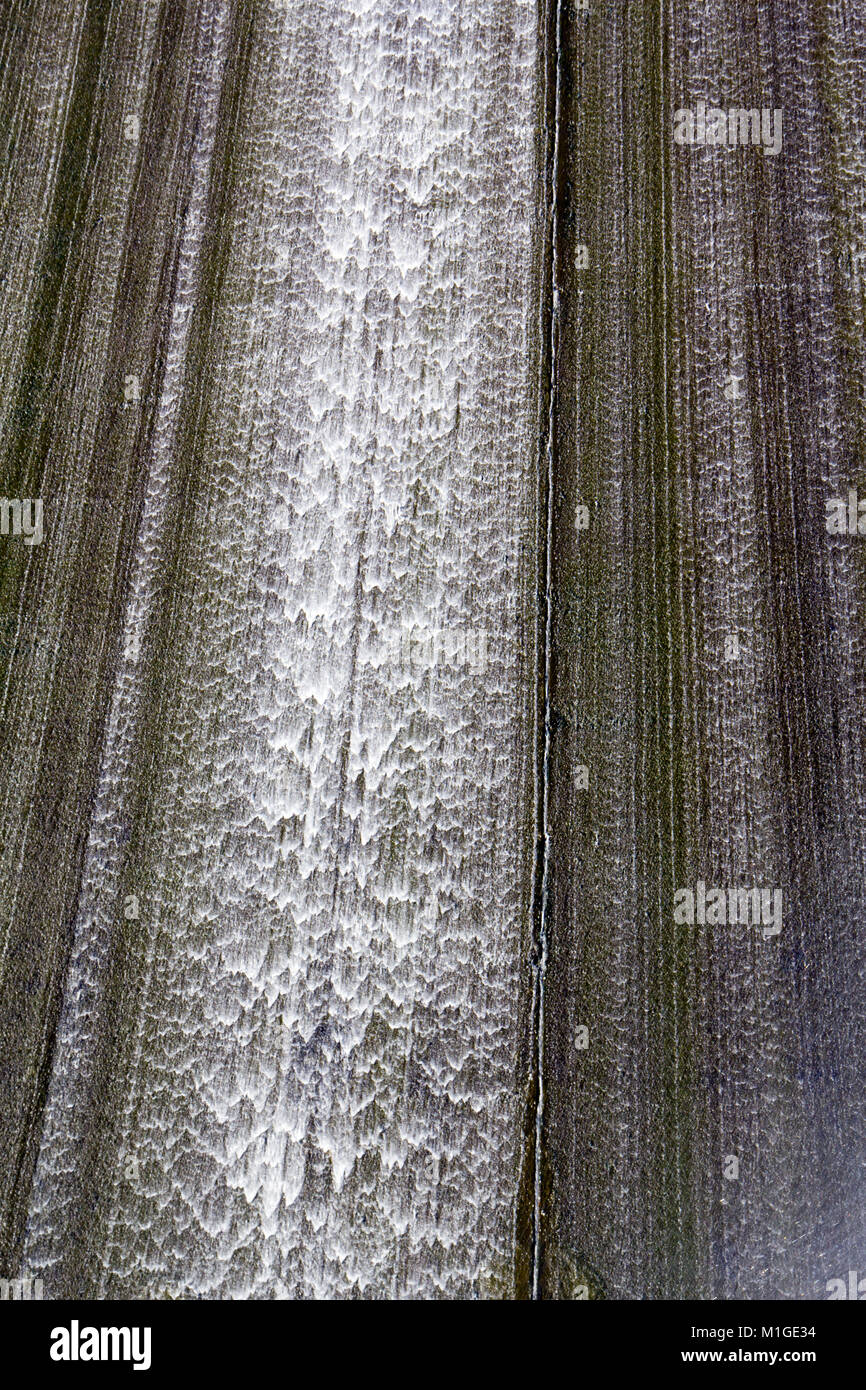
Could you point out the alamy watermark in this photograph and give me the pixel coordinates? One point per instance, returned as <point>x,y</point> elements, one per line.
<point>420,647</point>
<point>718,907</point>
<point>738,126</point>
<point>26,1289</point>
<point>77,1343</point>
<point>854,1288</point>
<point>22,518</point>
<point>846,518</point>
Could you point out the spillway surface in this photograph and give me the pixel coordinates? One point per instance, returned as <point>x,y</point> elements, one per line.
<point>705,1114</point>
<point>285,431</point>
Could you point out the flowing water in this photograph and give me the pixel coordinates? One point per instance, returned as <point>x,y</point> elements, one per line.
<point>291,1058</point>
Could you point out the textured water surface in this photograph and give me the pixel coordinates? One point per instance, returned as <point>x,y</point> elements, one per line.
<point>292,1054</point>
<point>735,765</point>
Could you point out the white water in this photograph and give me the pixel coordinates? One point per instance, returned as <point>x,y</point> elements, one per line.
<point>320,1080</point>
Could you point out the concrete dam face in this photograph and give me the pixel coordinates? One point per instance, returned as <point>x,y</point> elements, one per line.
<point>432,649</point>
